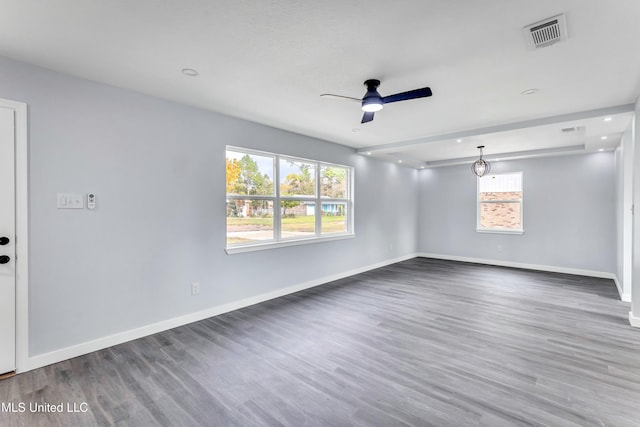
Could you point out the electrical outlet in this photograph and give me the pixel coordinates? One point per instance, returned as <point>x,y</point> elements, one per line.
<point>195,288</point>
<point>499,248</point>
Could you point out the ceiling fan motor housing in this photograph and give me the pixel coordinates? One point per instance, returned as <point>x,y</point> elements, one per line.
<point>372,100</point>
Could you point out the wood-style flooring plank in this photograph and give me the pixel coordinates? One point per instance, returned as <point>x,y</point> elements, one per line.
<point>423,342</point>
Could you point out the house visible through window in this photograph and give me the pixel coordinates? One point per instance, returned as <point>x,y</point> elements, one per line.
<point>500,203</point>
<point>274,199</point>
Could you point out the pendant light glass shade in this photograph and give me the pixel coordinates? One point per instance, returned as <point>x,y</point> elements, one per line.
<point>480,167</point>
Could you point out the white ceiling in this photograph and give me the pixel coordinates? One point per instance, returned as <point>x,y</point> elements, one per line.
<point>269,60</point>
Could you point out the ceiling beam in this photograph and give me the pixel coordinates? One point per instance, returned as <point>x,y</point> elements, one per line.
<point>557,151</point>
<point>618,109</point>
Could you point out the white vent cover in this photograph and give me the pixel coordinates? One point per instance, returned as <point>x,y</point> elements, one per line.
<point>546,32</point>
<point>573,129</point>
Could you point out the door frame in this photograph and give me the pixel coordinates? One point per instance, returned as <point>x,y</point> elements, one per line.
<point>22,237</point>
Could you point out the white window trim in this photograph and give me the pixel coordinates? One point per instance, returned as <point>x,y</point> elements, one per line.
<point>317,199</point>
<point>479,203</point>
<point>498,231</point>
<point>239,249</point>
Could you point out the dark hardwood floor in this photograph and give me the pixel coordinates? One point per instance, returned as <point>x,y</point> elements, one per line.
<point>421,343</point>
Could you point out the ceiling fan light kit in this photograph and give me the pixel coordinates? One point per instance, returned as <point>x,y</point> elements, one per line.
<point>480,167</point>
<point>371,107</point>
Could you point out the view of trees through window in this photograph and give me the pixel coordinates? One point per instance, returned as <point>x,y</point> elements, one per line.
<point>311,199</point>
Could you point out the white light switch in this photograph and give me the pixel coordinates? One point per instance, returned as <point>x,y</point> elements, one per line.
<point>69,201</point>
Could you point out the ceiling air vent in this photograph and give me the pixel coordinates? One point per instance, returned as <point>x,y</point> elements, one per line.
<point>573,129</point>
<point>546,32</point>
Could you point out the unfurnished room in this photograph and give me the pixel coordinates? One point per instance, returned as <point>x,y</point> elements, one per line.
<point>339,213</point>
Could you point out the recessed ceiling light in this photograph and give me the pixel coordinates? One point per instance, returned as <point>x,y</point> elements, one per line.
<point>189,72</point>
<point>399,161</point>
<point>458,140</point>
<point>604,137</point>
<point>368,153</point>
<point>601,149</point>
<point>355,130</point>
<point>529,91</point>
<point>608,119</point>
<point>421,167</point>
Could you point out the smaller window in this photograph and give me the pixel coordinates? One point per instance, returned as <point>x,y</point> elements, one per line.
<point>500,203</point>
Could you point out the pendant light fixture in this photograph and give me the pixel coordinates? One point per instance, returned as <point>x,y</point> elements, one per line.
<point>480,167</point>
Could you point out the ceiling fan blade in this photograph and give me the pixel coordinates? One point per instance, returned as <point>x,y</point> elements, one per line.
<point>403,96</point>
<point>367,117</point>
<point>330,95</point>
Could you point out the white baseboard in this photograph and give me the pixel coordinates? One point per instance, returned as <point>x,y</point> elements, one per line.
<point>66,353</point>
<point>626,297</point>
<point>553,269</point>
<point>633,320</point>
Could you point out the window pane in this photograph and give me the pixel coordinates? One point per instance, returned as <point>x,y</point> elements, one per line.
<point>333,182</point>
<point>501,195</point>
<point>334,218</point>
<point>507,182</point>
<point>249,174</point>
<point>249,221</point>
<point>505,215</point>
<point>298,219</point>
<point>297,178</point>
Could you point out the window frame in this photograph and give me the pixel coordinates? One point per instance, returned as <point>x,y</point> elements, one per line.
<point>277,198</point>
<point>479,203</point>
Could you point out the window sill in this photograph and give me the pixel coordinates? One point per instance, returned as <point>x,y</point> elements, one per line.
<point>498,231</point>
<point>284,243</point>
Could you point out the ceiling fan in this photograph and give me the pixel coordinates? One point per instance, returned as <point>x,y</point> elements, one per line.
<point>373,101</point>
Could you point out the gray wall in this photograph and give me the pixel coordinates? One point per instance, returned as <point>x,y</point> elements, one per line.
<point>569,216</point>
<point>158,170</point>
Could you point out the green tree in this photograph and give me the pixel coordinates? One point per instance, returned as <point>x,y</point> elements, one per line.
<point>250,181</point>
<point>306,180</point>
<point>333,182</point>
<point>288,204</point>
<point>297,184</point>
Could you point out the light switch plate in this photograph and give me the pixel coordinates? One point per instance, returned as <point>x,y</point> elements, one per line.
<point>69,201</point>
<point>91,200</point>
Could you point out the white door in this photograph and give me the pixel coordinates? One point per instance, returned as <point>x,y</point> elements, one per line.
<point>7,242</point>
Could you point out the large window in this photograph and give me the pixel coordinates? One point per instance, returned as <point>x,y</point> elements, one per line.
<point>500,203</point>
<point>275,200</point>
